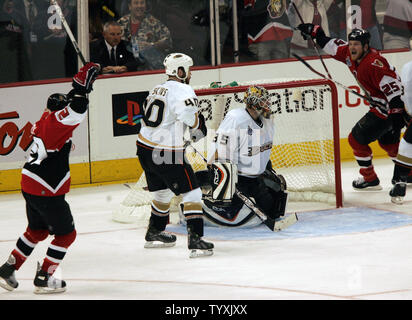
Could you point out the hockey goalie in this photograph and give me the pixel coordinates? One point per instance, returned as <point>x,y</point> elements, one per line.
<point>240,187</point>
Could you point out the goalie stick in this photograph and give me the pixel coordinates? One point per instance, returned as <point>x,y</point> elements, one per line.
<point>69,32</point>
<point>372,102</point>
<point>269,222</point>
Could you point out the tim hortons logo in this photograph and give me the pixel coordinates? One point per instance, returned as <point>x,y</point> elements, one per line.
<point>10,134</point>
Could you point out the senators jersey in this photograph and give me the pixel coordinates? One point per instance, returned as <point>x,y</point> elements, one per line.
<point>169,109</point>
<point>244,141</point>
<point>374,74</point>
<point>47,172</point>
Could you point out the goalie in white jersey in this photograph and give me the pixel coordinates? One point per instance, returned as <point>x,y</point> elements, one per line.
<point>169,110</point>
<point>242,148</point>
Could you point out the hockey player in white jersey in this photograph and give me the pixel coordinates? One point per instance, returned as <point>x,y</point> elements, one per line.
<point>242,148</point>
<point>403,161</point>
<point>169,110</point>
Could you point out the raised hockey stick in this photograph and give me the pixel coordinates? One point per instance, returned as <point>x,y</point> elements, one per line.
<point>69,32</point>
<point>372,102</point>
<point>313,42</point>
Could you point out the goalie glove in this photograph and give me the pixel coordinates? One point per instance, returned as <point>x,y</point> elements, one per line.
<point>83,80</point>
<point>200,131</point>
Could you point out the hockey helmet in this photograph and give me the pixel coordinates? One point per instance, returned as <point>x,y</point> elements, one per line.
<point>57,101</point>
<point>360,35</point>
<point>174,61</point>
<point>257,97</point>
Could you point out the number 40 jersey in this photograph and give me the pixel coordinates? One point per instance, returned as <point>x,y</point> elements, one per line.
<point>169,109</point>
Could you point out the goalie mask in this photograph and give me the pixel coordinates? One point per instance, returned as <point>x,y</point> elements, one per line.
<point>174,61</point>
<point>257,98</point>
<point>57,101</point>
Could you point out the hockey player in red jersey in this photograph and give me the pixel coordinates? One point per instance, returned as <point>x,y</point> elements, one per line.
<point>382,85</point>
<point>45,181</point>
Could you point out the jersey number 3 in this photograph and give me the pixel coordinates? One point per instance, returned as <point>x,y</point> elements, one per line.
<point>153,114</point>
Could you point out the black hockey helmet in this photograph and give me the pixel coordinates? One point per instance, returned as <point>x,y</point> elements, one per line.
<point>360,35</point>
<point>57,101</point>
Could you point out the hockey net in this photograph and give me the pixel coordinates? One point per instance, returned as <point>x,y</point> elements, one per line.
<point>305,147</point>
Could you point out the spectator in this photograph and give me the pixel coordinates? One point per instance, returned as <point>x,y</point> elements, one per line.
<point>312,11</point>
<point>149,36</point>
<point>363,15</point>
<point>397,24</point>
<point>268,29</point>
<point>14,62</point>
<point>112,53</point>
<point>189,36</point>
<point>53,56</point>
<point>365,10</point>
<point>95,21</point>
<point>29,9</point>
<point>337,19</point>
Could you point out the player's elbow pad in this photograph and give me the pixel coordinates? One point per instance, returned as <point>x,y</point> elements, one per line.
<point>200,131</point>
<point>321,38</point>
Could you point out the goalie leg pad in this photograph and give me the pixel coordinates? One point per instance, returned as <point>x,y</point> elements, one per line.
<point>224,179</point>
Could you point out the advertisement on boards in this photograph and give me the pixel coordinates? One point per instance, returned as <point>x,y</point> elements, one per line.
<point>20,108</point>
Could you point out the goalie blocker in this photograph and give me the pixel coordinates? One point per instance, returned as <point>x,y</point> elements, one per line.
<point>229,202</point>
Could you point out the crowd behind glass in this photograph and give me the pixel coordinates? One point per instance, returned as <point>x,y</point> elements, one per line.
<point>34,45</point>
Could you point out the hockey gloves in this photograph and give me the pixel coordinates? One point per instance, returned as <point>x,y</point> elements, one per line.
<point>398,118</point>
<point>200,131</point>
<point>309,30</point>
<point>83,80</point>
<point>397,114</point>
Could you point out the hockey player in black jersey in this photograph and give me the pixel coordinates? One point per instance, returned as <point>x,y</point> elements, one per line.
<point>45,181</point>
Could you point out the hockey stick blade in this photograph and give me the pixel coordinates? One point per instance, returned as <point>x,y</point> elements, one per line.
<point>269,222</point>
<point>286,222</point>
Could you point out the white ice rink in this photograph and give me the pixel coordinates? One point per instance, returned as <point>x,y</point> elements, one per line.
<point>360,252</point>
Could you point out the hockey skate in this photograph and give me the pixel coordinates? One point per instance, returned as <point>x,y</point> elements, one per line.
<point>398,192</point>
<point>45,283</point>
<point>197,246</point>
<point>362,185</point>
<point>158,239</point>
<point>285,222</point>
<point>7,278</point>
